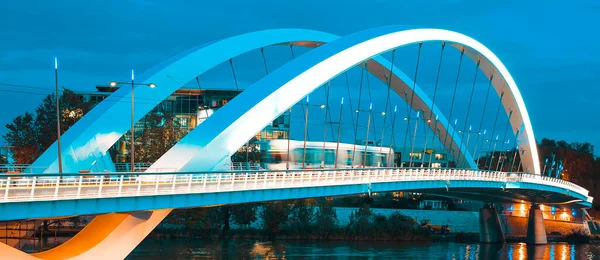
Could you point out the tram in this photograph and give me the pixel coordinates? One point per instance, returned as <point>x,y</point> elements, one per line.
<point>318,155</point>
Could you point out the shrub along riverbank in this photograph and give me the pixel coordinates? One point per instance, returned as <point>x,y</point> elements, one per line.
<point>300,219</point>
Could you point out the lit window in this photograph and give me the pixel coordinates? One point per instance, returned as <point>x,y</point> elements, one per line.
<point>415,155</point>
<point>440,156</point>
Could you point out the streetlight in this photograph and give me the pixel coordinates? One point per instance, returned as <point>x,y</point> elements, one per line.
<point>57,116</point>
<point>306,129</point>
<point>132,130</point>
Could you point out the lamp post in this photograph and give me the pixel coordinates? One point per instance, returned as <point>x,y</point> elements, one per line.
<point>306,129</point>
<point>57,116</point>
<point>337,146</point>
<point>132,129</point>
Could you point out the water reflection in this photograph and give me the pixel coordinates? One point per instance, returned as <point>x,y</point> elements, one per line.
<point>250,249</point>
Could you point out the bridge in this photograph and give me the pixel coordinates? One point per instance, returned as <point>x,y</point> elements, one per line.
<point>129,205</point>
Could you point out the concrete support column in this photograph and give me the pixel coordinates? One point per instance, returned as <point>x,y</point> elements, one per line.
<point>490,230</point>
<point>536,231</point>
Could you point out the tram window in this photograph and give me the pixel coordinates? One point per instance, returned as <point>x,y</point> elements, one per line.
<point>349,157</point>
<point>298,155</point>
<point>329,156</point>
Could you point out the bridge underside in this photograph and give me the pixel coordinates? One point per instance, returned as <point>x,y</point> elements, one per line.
<point>485,191</point>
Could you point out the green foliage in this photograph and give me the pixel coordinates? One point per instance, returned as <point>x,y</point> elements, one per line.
<point>243,214</point>
<point>302,216</point>
<point>326,220</point>
<point>159,134</point>
<point>274,216</point>
<point>31,134</point>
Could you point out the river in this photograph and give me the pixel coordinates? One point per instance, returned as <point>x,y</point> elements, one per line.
<point>263,249</point>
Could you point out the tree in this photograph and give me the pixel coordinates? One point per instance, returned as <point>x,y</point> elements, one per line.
<point>326,219</point>
<point>21,136</point>
<point>29,135</point>
<point>275,215</point>
<point>243,214</point>
<point>302,216</point>
<point>160,133</point>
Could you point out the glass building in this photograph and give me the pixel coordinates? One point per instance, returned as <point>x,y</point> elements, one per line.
<point>189,108</point>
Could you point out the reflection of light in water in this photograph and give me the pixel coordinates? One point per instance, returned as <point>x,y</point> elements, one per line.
<point>510,252</point>
<point>522,252</point>
<point>467,248</point>
<point>552,251</point>
<point>572,252</point>
<point>564,252</point>
<point>266,250</point>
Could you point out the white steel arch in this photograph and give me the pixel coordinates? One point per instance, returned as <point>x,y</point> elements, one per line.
<point>230,127</point>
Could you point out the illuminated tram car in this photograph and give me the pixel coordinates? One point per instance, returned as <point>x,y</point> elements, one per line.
<point>274,155</point>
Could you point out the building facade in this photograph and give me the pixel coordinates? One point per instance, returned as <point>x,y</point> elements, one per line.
<point>189,108</point>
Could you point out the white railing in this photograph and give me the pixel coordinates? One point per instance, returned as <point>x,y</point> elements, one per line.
<point>34,187</point>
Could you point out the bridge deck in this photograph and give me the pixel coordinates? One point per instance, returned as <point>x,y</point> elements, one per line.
<point>470,184</point>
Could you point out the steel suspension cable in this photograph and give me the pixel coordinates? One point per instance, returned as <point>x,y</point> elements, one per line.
<point>459,161</point>
<point>262,51</point>
<point>301,101</point>
<point>516,151</point>
<point>371,102</point>
<point>437,80</point>
<point>362,72</point>
<point>234,76</point>
<point>487,95</point>
<point>504,139</point>
<point>494,128</point>
<point>387,100</point>
<point>462,54</point>
<point>511,161</point>
<point>327,89</point>
<point>412,97</point>
<point>350,101</point>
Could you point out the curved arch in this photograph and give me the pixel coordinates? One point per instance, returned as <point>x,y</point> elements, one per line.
<point>297,78</point>
<point>89,139</point>
<point>230,127</point>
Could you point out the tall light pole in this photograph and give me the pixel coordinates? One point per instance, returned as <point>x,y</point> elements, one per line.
<point>337,145</point>
<point>57,116</point>
<point>367,136</point>
<point>322,106</point>
<point>132,127</point>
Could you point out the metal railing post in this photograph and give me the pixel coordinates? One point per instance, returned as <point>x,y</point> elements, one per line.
<point>174,182</point>
<point>219,181</point>
<point>246,181</point>
<point>100,185</point>
<point>56,188</point>
<point>156,185</point>
<point>189,188</point>
<point>255,179</point>
<point>120,185</point>
<point>32,188</point>
<point>79,187</point>
<point>204,182</point>
<point>6,190</point>
<point>265,181</point>
<point>139,187</point>
<point>232,180</point>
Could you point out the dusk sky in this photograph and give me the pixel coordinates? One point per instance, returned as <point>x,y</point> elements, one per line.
<point>550,47</point>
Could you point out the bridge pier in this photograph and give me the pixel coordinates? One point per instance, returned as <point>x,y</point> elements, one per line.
<point>536,231</point>
<point>490,230</point>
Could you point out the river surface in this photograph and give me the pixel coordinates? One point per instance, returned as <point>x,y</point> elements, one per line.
<point>263,249</point>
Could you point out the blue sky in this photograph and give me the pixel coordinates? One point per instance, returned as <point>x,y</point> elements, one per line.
<point>550,47</point>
